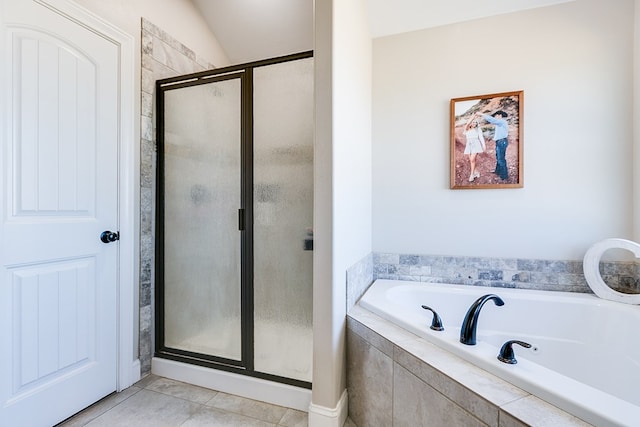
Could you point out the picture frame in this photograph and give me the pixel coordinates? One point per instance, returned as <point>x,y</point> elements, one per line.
<point>478,161</point>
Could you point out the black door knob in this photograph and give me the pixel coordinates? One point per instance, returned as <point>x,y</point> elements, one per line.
<point>109,236</point>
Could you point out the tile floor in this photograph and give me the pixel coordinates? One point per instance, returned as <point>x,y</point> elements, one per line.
<point>161,402</point>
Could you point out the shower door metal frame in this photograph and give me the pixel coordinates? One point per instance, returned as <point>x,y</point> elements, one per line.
<point>245,366</point>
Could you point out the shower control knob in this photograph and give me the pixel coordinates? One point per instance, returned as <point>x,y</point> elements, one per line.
<point>109,236</point>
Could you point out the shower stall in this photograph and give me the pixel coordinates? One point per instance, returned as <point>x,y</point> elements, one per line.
<point>234,234</point>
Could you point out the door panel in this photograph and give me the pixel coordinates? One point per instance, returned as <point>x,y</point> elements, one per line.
<point>202,170</point>
<point>59,192</point>
<point>51,338</point>
<point>283,218</point>
<point>56,143</point>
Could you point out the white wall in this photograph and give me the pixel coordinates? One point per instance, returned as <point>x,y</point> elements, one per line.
<point>342,205</point>
<point>352,151</point>
<point>574,62</point>
<point>352,186</point>
<point>179,18</point>
<point>636,128</point>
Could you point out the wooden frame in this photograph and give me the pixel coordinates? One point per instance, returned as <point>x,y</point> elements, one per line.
<point>477,160</point>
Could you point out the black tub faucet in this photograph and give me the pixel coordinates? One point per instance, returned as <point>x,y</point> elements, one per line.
<point>470,323</point>
<point>436,322</point>
<point>507,354</point>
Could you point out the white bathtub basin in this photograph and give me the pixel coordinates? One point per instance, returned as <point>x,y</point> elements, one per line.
<point>585,354</point>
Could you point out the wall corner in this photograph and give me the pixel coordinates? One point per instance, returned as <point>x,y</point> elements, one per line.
<point>321,416</point>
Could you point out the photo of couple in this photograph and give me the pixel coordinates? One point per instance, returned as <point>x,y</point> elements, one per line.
<point>486,143</point>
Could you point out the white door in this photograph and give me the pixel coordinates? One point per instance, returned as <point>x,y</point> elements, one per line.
<point>59,184</point>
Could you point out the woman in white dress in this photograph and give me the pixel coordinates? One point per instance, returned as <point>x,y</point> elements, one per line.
<point>474,144</point>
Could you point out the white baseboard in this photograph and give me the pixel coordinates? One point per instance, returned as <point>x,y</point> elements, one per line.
<point>321,416</point>
<point>129,375</point>
<point>240,385</point>
<point>135,371</point>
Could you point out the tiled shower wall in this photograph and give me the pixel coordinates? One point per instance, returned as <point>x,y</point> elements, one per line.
<point>549,275</point>
<point>162,57</point>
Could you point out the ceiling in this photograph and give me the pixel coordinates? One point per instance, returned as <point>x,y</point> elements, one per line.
<point>250,30</point>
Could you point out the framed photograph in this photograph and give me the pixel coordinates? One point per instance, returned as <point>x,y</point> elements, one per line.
<point>486,141</point>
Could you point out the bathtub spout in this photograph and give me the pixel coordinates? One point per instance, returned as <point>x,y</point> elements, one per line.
<point>470,323</point>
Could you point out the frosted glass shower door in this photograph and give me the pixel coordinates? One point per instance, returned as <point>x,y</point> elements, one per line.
<point>283,218</point>
<point>202,195</point>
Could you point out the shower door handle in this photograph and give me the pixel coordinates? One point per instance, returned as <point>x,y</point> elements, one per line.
<point>241,219</point>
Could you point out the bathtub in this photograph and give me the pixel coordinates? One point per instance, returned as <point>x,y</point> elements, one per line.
<point>585,351</point>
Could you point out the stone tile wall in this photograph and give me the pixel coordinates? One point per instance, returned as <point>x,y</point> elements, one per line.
<point>162,57</point>
<point>549,275</point>
<point>359,278</point>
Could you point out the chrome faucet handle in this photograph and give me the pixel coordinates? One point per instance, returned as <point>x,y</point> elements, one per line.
<point>507,354</point>
<point>436,322</point>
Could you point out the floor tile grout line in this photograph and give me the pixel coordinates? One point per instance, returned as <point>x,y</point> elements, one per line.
<point>204,405</point>
<point>217,392</point>
<point>112,395</point>
<point>138,387</point>
<point>178,397</point>
<point>116,405</point>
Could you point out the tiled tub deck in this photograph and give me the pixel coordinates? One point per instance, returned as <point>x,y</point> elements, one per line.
<point>395,378</point>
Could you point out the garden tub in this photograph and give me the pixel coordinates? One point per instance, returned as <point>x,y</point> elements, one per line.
<point>585,351</point>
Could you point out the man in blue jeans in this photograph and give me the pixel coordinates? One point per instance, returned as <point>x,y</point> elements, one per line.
<point>498,119</point>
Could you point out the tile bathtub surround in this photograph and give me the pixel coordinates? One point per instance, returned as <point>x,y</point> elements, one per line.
<point>359,278</point>
<point>551,275</point>
<point>162,57</point>
<point>396,378</point>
